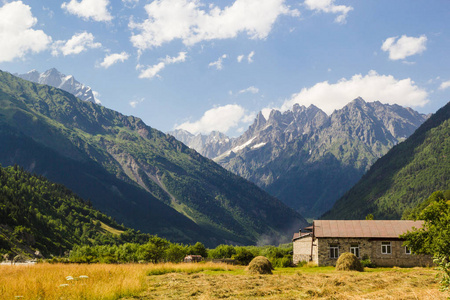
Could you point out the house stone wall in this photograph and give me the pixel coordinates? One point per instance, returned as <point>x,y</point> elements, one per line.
<point>398,257</point>
<point>370,248</point>
<point>365,248</point>
<point>302,249</point>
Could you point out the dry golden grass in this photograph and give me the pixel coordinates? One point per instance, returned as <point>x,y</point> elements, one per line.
<point>212,281</point>
<point>301,284</point>
<point>48,281</point>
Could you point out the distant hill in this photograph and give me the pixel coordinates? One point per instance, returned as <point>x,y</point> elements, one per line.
<point>404,177</point>
<point>305,157</point>
<point>36,214</point>
<point>134,173</point>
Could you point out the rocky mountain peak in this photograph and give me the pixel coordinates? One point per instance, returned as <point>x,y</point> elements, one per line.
<point>67,83</point>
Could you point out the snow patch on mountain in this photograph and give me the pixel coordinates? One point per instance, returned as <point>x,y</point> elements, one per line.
<point>67,83</point>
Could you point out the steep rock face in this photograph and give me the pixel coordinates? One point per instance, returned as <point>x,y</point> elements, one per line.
<point>209,146</point>
<point>56,79</point>
<point>309,159</point>
<point>137,174</point>
<point>406,176</point>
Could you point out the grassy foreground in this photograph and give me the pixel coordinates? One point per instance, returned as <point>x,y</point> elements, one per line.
<point>211,281</point>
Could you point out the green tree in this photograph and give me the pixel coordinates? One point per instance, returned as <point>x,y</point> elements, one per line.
<point>175,253</point>
<point>198,249</point>
<point>434,237</point>
<point>222,251</point>
<point>243,256</point>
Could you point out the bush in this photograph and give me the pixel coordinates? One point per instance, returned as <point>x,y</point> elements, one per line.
<point>260,265</point>
<point>243,256</point>
<point>367,263</point>
<point>348,262</point>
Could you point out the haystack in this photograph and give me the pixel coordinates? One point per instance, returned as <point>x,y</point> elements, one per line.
<point>348,262</point>
<point>260,265</point>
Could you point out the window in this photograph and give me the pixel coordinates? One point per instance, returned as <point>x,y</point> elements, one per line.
<point>386,248</point>
<point>407,250</point>
<point>354,248</point>
<point>334,251</point>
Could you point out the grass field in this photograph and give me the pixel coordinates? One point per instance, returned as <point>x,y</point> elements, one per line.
<point>212,281</point>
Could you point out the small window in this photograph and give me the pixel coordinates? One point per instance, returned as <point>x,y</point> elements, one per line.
<point>334,251</point>
<point>407,250</point>
<point>386,248</point>
<point>354,248</point>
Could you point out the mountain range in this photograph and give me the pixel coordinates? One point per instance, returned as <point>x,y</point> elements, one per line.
<point>143,178</point>
<point>404,177</point>
<point>305,157</point>
<point>68,83</point>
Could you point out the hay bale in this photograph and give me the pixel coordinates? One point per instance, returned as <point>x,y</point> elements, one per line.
<point>260,265</point>
<point>348,262</point>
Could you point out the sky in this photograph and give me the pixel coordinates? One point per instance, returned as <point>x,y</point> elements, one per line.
<point>213,65</point>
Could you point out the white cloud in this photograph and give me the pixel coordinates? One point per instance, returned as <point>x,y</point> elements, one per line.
<point>17,37</point>
<point>444,85</point>
<point>250,57</point>
<point>134,103</point>
<point>371,87</point>
<point>89,9</point>
<point>251,89</point>
<point>111,59</point>
<point>240,58</point>
<point>328,6</point>
<point>218,64</point>
<point>404,46</point>
<point>188,21</point>
<point>222,118</point>
<point>152,71</point>
<point>78,43</point>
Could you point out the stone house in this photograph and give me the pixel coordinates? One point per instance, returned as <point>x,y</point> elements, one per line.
<point>378,240</point>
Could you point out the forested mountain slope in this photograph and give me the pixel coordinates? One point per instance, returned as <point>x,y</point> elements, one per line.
<point>36,214</point>
<point>137,174</point>
<point>404,177</point>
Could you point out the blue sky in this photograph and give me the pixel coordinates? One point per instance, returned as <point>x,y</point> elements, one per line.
<point>213,65</point>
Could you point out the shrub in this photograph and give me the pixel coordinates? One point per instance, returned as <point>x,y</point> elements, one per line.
<point>243,256</point>
<point>348,262</point>
<point>367,263</point>
<point>260,265</point>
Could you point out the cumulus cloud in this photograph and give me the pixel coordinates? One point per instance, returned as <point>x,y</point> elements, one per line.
<point>222,118</point>
<point>96,10</point>
<point>444,85</point>
<point>251,89</point>
<point>371,87</point>
<point>404,46</point>
<point>218,64</point>
<point>152,71</point>
<point>111,59</point>
<point>78,43</point>
<point>328,6</point>
<point>188,21</point>
<point>17,37</point>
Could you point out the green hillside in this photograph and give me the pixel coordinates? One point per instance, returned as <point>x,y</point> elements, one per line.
<point>137,174</point>
<point>404,177</point>
<point>36,214</point>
